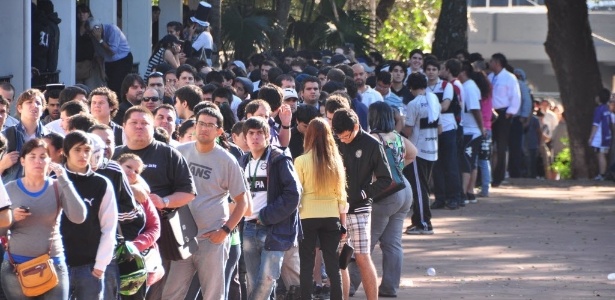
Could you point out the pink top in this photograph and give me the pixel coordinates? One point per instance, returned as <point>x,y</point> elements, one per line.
<point>151,232</point>
<point>486,108</point>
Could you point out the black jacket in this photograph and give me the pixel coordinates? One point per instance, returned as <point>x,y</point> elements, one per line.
<point>363,158</point>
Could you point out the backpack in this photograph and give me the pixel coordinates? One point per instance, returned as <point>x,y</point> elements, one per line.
<point>455,107</point>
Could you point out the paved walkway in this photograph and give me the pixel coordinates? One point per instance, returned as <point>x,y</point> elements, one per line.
<point>531,240</point>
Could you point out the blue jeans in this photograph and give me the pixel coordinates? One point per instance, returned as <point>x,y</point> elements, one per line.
<point>484,166</point>
<point>83,285</point>
<point>112,281</point>
<point>446,179</point>
<point>263,266</point>
<point>12,288</point>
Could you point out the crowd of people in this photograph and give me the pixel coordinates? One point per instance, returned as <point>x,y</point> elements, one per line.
<point>281,160</point>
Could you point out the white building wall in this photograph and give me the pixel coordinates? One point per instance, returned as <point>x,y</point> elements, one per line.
<point>67,12</point>
<point>137,26</point>
<point>16,49</point>
<point>520,33</point>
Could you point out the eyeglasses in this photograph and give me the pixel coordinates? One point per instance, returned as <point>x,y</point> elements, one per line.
<point>207,125</point>
<point>150,99</point>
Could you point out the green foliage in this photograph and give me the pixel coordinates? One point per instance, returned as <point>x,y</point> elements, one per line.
<point>326,28</point>
<point>562,161</point>
<point>409,27</point>
<point>245,34</point>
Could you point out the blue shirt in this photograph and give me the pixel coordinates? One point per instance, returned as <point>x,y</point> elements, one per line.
<point>115,38</point>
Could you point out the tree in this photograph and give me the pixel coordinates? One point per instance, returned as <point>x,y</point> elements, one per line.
<point>571,49</point>
<point>408,27</point>
<point>282,10</point>
<point>452,29</point>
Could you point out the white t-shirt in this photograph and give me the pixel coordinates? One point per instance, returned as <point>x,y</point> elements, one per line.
<point>460,95</point>
<point>471,102</point>
<point>204,40</point>
<point>256,175</point>
<point>56,127</point>
<point>447,120</point>
<point>425,139</point>
<point>370,96</point>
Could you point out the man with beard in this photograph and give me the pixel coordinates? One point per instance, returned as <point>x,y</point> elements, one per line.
<point>368,95</point>
<point>131,93</point>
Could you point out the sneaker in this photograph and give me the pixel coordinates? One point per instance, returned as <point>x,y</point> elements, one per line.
<point>437,205</point>
<point>317,290</point>
<point>326,290</point>
<point>413,230</point>
<point>452,205</point>
<point>599,178</point>
<point>474,201</point>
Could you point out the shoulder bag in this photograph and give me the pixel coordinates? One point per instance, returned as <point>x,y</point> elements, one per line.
<point>397,182</point>
<point>178,232</point>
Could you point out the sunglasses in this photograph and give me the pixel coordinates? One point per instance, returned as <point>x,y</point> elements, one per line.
<point>150,99</point>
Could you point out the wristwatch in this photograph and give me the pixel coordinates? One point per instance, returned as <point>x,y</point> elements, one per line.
<point>165,200</point>
<point>226,229</point>
<point>101,41</point>
<point>285,127</point>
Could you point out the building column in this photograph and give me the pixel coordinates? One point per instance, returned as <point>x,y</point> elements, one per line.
<point>170,10</point>
<point>67,12</point>
<point>137,26</point>
<point>104,10</point>
<point>17,47</point>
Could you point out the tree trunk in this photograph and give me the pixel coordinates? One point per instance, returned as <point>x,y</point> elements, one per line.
<point>571,49</point>
<point>452,29</point>
<point>215,20</point>
<point>383,10</point>
<point>281,14</point>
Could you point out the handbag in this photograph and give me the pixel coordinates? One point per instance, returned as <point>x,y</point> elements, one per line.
<point>178,232</point>
<point>397,182</point>
<point>153,265</point>
<point>38,275</point>
<point>346,256</point>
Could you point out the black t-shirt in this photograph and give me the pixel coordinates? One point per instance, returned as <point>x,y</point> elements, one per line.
<point>166,171</point>
<point>296,142</point>
<point>404,93</point>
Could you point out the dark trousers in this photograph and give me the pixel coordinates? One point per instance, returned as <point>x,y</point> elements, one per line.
<point>501,132</point>
<point>418,174</point>
<point>516,162</point>
<point>446,182</point>
<point>327,230</point>
<point>531,161</point>
<point>116,71</point>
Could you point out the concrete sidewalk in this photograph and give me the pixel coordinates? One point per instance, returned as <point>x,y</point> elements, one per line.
<point>530,240</point>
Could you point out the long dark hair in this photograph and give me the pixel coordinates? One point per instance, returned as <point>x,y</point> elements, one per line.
<point>483,84</point>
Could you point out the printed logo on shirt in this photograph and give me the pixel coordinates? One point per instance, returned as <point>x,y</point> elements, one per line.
<point>263,166</point>
<point>260,184</point>
<point>88,201</point>
<point>154,166</point>
<point>359,153</point>
<point>200,170</point>
<point>469,151</point>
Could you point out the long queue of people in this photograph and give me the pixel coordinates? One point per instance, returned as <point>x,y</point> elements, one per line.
<point>278,175</point>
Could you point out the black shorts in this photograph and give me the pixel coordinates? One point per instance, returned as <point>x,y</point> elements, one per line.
<point>470,150</point>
